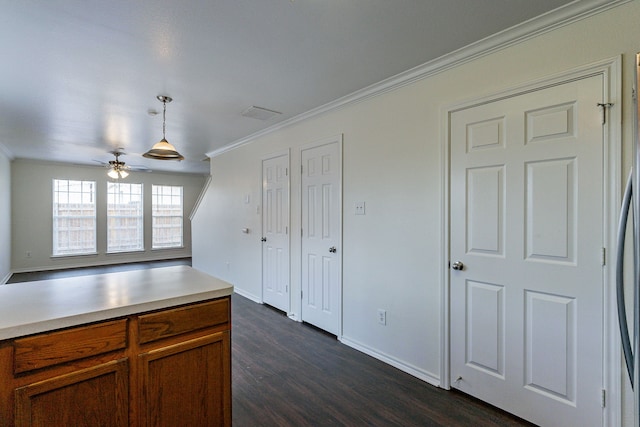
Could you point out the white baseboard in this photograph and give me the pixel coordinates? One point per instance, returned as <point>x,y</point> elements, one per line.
<point>405,367</point>
<point>247,295</point>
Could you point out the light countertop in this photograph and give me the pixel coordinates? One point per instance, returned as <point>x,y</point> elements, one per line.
<point>32,307</point>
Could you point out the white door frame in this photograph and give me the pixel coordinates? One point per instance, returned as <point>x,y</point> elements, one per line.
<point>285,152</point>
<point>610,69</point>
<point>317,143</point>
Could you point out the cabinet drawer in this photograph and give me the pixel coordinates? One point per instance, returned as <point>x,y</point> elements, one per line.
<point>40,351</point>
<point>168,323</point>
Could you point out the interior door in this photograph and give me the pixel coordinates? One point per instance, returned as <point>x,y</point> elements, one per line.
<point>275,229</point>
<point>526,253</point>
<point>321,236</point>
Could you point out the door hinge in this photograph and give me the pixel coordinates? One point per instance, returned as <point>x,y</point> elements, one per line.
<point>301,295</point>
<point>301,169</point>
<point>286,171</point>
<point>286,229</point>
<point>604,398</point>
<point>604,256</point>
<point>603,110</point>
<point>634,93</point>
<point>301,232</point>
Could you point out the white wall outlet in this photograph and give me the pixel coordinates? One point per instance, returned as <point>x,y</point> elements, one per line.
<point>382,316</point>
<point>359,206</point>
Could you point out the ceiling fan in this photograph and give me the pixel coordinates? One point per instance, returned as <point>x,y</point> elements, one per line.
<point>118,169</point>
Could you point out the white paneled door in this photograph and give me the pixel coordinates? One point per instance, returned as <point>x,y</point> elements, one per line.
<point>321,236</point>
<point>526,253</point>
<point>275,232</point>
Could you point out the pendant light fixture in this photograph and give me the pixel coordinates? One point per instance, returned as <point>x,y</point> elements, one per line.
<point>163,150</point>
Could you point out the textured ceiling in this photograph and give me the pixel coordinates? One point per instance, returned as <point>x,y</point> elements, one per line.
<point>78,77</point>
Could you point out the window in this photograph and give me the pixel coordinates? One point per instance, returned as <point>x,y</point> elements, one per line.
<point>124,217</point>
<point>74,217</point>
<point>166,215</point>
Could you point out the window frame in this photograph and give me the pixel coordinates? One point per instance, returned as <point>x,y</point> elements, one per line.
<point>172,196</point>
<point>139,227</point>
<point>57,218</point>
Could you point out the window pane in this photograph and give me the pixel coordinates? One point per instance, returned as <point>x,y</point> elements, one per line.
<point>166,216</point>
<point>124,217</point>
<point>74,217</point>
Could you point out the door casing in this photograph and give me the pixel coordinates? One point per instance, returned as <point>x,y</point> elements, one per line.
<point>610,69</point>
<point>286,154</point>
<point>338,139</point>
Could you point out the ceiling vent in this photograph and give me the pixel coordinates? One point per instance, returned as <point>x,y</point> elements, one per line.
<point>260,113</point>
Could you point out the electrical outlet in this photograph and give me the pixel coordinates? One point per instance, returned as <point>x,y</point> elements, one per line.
<point>382,316</point>
<point>28,254</point>
<point>359,208</point>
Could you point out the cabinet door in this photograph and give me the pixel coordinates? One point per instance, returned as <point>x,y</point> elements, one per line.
<point>93,397</point>
<point>188,383</point>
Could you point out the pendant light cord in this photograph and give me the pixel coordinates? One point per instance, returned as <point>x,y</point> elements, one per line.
<point>164,115</point>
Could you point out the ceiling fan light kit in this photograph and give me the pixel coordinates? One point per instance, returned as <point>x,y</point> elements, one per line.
<point>117,169</point>
<point>117,173</point>
<point>163,150</point>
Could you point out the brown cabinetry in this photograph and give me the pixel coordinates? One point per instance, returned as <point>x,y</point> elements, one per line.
<point>164,368</point>
<point>96,396</point>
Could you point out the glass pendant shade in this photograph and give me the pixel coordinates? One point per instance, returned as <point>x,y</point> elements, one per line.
<point>163,150</point>
<point>113,173</point>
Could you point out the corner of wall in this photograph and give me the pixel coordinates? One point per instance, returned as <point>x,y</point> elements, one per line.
<point>5,217</point>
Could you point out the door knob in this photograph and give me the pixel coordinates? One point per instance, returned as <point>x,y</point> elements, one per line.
<point>264,239</point>
<point>333,249</point>
<point>458,265</point>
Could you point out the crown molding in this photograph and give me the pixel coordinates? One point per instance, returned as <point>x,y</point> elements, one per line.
<point>562,16</point>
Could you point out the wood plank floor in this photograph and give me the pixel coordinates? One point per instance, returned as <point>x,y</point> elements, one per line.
<point>287,373</point>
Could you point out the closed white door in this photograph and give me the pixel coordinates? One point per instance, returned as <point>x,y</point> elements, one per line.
<point>527,227</point>
<point>321,236</point>
<point>275,232</point>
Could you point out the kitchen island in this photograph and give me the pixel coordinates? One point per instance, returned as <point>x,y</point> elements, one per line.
<point>136,348</point>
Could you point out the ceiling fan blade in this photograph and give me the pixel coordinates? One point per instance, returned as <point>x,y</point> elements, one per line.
<point>139,168</point>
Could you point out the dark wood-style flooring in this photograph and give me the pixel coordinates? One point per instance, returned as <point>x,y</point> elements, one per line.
<point>287,373</point>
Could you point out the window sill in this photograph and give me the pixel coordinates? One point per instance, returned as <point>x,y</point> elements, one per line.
<point>132,251</point>
<point>74,255</point>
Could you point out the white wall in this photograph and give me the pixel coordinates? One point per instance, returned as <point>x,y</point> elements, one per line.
<point>392,256</point>
<point>5,217</point>
<point>32,214</point>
